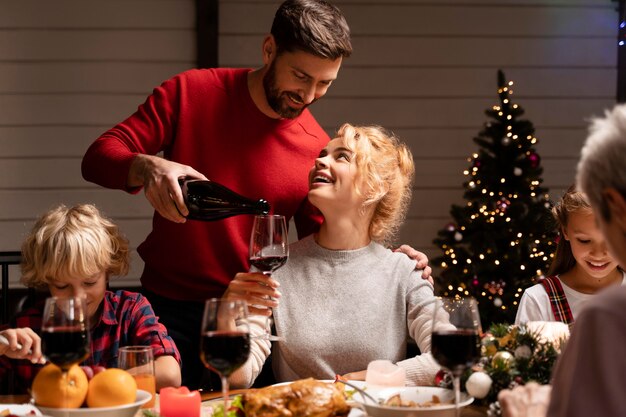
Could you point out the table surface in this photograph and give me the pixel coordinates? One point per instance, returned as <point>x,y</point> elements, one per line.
<point>469,411</point>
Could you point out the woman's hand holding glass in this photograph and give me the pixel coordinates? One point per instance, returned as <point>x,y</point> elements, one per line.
<point>258,290</point>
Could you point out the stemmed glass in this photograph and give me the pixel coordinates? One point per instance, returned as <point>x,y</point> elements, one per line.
<point>269,250</point>
<point>65,332</point>
<point>224,338</point>
<point>456,338</point>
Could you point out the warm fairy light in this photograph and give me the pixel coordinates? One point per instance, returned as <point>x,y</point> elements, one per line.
<point>512,243</point>
<point>481,256</point>
<point>502,180</point>
<point>500,113</point>
<point>475,155</point>
<point>497,262</point>
<point>522,267</point>
<point>509,117</point>
<point>450,287</point>
<point>466,172</point>
<point>505,101</point>
<point>510,83</point>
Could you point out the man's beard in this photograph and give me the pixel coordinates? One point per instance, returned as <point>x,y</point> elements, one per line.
<point>278,100</point>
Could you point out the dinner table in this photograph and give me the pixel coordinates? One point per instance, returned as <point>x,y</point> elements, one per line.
<point>210,396</point>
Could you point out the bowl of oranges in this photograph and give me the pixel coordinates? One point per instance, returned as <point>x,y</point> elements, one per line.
<point>109,393</point>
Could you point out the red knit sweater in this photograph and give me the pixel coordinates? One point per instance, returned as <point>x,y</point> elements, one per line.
<point>206,119</point>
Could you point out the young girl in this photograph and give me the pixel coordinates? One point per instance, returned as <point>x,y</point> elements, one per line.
<point>582,266</point>
<point>71,252</point>
<point>347,299</point>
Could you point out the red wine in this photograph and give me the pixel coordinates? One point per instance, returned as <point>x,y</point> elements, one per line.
<point>456,350</point>
<point>65,346</point>
<point>209,201</point>
<point>268,263</point>
<point>225,351</point>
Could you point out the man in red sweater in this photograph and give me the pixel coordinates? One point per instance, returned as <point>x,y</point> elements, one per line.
<point>249,130</point>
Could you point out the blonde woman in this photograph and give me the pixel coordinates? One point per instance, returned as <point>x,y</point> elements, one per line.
<point>346,298</point>
<point>72,252</point>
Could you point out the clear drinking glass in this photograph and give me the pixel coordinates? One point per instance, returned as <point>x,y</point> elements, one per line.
<point>224,338</point>
<point>269,250</point>
<point>456,337</point>
<point>139,362</point>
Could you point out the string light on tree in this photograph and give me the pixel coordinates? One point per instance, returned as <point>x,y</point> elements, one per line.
<point>502,238</point>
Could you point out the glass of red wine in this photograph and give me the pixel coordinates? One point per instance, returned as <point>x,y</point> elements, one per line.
<point>456,336</point>
<point>269,250</point>
<point>65,332</point>
<point>224,338</point>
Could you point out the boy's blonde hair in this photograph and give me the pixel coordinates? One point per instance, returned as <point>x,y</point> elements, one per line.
<point>386,167</point>
<point>73,242</point>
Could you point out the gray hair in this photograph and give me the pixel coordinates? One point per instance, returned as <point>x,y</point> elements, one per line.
<point>602,159</point>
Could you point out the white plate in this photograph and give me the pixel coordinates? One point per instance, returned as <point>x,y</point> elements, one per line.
<point>128,410</point>
<point>21,409</point>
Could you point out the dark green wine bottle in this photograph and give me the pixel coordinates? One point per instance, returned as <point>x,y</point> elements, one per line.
<point>209,201</point>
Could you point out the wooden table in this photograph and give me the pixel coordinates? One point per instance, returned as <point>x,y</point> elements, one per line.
<point>469,411</point>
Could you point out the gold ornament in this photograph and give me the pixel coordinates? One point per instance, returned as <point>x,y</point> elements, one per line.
<point>502,359</point>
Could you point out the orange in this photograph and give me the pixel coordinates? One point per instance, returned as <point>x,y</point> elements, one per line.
<point>110,388</point>
<point>53,389</point>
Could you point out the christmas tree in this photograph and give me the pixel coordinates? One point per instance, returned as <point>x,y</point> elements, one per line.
<point>502,241</point>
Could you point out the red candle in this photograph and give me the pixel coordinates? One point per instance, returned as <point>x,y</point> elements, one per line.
<point>179,402</point>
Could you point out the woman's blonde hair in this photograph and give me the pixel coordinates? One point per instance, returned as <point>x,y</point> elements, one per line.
<point>571,201</point>
<point>73,242</point>
<point>386,167</point>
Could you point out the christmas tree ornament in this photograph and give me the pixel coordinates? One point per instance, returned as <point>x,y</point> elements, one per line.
<point>502,359</point>
<point>533,159</point>
<point>517,171</point>
<point>478,385</point>
<point>450,227</point>
<point>497,302</point>
<point>522,352</point>
<point>458,236</point>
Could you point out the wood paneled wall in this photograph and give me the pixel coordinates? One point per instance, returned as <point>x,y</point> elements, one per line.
<point>70,69</point>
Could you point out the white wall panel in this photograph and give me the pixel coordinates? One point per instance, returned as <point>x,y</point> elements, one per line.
<point>70,69</point>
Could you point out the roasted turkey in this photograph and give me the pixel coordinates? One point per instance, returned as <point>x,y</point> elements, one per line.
<point>302,398</point>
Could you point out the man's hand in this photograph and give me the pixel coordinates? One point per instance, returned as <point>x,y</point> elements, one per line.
<point>258,290</point>
<point>421,261</point>
<point>159,177</point>
<point>530,400</point>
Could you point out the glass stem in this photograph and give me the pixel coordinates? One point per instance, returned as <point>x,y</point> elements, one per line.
<point>456,382</point>
<point>225,393</point>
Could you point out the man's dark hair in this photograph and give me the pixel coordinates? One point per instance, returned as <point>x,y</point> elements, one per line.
<point>313,26</point>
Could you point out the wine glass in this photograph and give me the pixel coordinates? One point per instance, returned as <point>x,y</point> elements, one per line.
<point>224,338</point>
<point>65,332</point>
<point>456,337</point>
<point>269,250</point>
